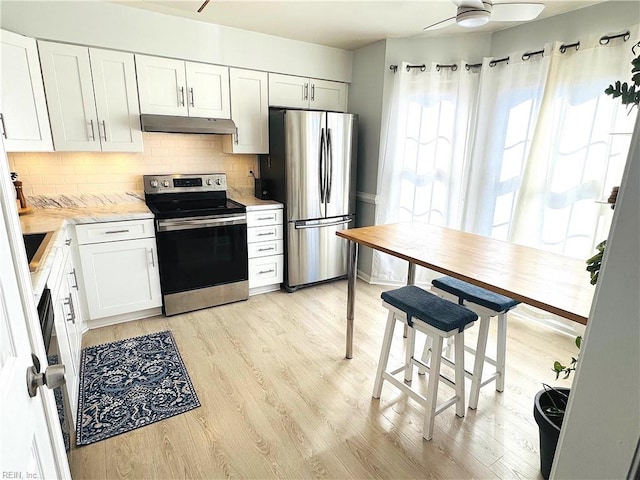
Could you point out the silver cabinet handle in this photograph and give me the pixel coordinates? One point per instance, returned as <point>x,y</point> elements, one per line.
<point>266,218</point>
<point>236,136</point>
<point>93,132</point>
<point>104,127</point>
<point>192,97</point>
<point>67,242</point>
<point>181,99</point>
<point>266,234</point>
<point>306,91</point>
<point>71,317</point>
<point>4,128</point>
<point>153,261</point>
<point>109,232</point>
<point>313,92</point>
<point>262,272</point>
<point>75,278</point>
<point>266,249</point>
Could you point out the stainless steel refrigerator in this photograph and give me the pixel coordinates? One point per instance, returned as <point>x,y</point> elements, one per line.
<point>311,169</point>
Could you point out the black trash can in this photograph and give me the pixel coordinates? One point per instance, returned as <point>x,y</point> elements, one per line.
<point>549,424</point>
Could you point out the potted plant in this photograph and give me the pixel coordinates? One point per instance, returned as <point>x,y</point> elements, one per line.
<point>550,403</point>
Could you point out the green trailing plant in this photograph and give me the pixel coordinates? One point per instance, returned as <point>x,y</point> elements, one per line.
<point>628,94</point>
<point>595,262</point>
<point>566,370</point>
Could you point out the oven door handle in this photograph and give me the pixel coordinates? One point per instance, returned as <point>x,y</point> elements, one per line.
<point>168,225</point>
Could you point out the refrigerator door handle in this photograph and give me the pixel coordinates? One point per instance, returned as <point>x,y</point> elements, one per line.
<point>301,224</point>
<point>330,172</point>
<point>322,166</point>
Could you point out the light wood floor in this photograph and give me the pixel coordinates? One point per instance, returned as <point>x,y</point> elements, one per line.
<point>279,400</point>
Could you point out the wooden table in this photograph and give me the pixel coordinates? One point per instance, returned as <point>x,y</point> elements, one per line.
<point>551,282</point>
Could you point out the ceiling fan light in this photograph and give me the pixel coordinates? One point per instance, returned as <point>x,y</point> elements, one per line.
<point>473,18</point>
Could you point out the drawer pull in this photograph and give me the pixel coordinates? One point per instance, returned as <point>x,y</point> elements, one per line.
<point>266,218</point>
<point>71,317</point>
<point>67,242</point>
<point>266,234</point>
<point>117,231</point>
<point>262,272</point>
<point>75,279</point>
<point>268,249</point>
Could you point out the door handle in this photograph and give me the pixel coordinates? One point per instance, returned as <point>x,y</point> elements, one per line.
<point>52,377</point>
<point>153,261</point>
<point>322,173</point>
<point>104,127</point>
<point>181,97</point>
<point>71,317</point>
<point>4,128</point>
<point>93,132</point>
<point>75,278</point>
<point>192,97</point>
<point>306,91</point>
<point>330,159</point>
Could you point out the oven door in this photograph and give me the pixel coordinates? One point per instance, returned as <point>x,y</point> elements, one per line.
<point>201,252</point>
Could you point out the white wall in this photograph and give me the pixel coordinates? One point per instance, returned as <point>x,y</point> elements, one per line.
<point>607,17</point>
<point>120,27</point>
<point>602,425</point>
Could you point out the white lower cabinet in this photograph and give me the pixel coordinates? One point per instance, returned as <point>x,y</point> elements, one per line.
<point>265,248</point>
<point>119,268</point>
<point>67,322</point>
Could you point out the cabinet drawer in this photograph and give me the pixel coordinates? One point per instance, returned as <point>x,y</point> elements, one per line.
<point>114,231</point>
<point>261,234</point>
<point>264,249</point>
<point>264,217</point>
<point>265,271</point>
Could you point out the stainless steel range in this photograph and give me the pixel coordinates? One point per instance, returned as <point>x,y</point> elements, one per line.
<point>202,241</point>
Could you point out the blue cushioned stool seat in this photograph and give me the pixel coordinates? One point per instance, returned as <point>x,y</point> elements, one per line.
<point>431,309</point>
<point>478,295</point>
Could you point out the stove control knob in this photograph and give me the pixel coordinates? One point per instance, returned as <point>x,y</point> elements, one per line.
<point>209,181</point>
<point>218,181</point>
<point>154,183</point>
<point>165,183</point>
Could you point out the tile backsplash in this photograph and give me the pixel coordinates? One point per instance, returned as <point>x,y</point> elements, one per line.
<point>94,172</point>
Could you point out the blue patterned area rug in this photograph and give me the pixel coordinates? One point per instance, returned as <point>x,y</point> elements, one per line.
<point>131,383</point>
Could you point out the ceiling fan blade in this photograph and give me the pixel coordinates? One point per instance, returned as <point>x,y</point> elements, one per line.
<point>203,5</point>
<point>441,24</point>
<point>516,12</point>
<point>468,3</point>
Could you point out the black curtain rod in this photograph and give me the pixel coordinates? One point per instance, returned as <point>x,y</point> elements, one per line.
<point>605,39</point>
<point>494,62</point>
<point>469,66</point>
<point>453,67</point>
<point>564,47</point>
<point>526,56</point>
<point>422,67</point>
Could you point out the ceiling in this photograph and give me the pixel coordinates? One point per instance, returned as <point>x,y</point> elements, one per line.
<point>336,23</point>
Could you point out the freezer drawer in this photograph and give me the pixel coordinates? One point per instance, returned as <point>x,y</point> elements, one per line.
<point>314,254</point>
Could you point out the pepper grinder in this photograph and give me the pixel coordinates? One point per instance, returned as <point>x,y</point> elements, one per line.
<point>19,193</point>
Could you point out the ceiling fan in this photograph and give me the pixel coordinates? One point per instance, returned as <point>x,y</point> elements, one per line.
<point>475,13</point>
<point>204,4</point>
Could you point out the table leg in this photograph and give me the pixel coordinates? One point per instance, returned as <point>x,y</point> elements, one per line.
<point>352,268</point>
<point>411,280</point>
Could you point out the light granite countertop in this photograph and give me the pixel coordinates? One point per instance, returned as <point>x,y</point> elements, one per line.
<point>53,214</point>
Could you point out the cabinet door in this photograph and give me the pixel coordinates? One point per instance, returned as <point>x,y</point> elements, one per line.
<point>25,122</point>
<point>249,111</point>
<point>326,95</point>
<point>120,277</point>
<point>69,88</point>
<point>116,96</point>
<point>208,90</point>
<point>288,91</point>
<point>162,85</point>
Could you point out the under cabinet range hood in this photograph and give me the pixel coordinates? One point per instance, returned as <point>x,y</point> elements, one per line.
<point>176,124</point>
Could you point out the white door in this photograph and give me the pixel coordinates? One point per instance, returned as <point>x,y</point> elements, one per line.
<point>116,95</point>
<point>288,91</point>
<point>25,123</point>
<point>327,95</point>
<point>28,442</point>
<point>208,90</point>
<point>162,85</point>
<point>249,111</point>
<point>69,88</point>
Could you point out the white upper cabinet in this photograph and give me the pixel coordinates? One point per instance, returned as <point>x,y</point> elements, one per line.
<point>23,110</point>
<point>249,111</point>
<point>176,87</point>
<point>92,98</point>
<point>300,92</point>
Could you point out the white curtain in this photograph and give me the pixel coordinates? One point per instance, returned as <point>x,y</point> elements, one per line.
<point>520,150</point>
<point>423,166</point>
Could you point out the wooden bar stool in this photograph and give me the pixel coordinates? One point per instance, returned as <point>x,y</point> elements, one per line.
<point>439,319</point>
<point>485,304</point>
